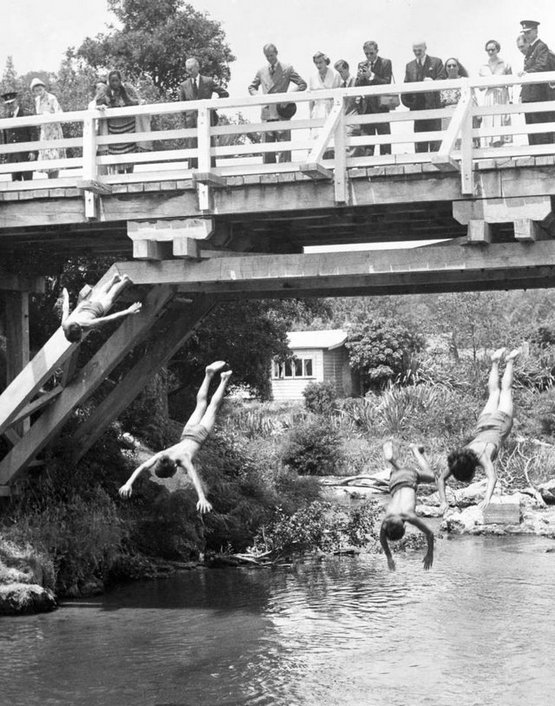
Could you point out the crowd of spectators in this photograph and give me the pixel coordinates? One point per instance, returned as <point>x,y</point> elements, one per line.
<point>276,77</point>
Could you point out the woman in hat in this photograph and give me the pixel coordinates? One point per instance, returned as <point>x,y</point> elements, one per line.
<point>495,95</point>
<point>46,103</point>
<point>324,78</point>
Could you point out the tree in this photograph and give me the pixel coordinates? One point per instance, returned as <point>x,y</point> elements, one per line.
<point>156,39</point>
<point>9,77</point>
<point>381,349</point>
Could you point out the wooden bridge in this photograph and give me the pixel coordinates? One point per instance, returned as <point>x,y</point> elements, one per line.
<point>237,227</point>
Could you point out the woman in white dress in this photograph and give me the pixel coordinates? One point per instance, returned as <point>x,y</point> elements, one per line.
<point>324,78</point>
<point>46,103</point>
<point>495,96</point>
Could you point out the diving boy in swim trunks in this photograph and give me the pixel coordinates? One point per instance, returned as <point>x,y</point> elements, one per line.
<point>195,432</point>
<point>492,428</point>
<point>402,508</point>
<point>92,312</point>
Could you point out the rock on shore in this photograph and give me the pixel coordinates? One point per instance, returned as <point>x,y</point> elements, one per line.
<point>26,580</point>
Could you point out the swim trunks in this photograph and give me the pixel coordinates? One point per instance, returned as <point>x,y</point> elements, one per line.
<point>94,308</point>
<point>195,432</point>
<point>492,429</point>
<point>402,478</point>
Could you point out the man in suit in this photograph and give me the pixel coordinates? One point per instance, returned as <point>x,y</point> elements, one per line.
<point>275,77</point>
<point>351,104</point>
<point>196,88</point>
<point>536,59</point>
<point>423,68</point>
<point>375,71</point>
<point>14,135</point>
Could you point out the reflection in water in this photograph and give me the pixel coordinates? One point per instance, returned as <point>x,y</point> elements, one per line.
<point>474,630</point>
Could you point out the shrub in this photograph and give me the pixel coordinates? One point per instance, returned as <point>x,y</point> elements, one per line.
<point>320,397</point>
<point>313,449</point>
<point>382,349</point>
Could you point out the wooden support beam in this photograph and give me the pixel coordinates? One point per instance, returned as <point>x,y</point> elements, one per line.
<point>503,210</point>
<point>173,330</point>
<point>209,179</point>
<point>315,171</point>
<point>170,229</point>
<point>16,283</point>
<point>17,339</point>
<point>150,250</point>
<point>95,186</point>
<point>12,436</point>
<point>186,248</point>
<point>26,385</point>
<point>349,271</point>
<point>445,163</point>
<point>37,404</point>
<point>479,233</point>
<point>527,231</point>
<point>131,331</point>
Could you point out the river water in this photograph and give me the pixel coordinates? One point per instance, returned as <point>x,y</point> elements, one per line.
<point>478,629</point>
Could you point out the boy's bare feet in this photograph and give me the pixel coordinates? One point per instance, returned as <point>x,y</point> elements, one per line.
<point>498,354</point>
<point>215,367</point>
<point>513,354</point>
<point>226,375</point>
<point>388,451</point>
<point>116,278</point>
<point>417,447</point>
<point>126,279</point>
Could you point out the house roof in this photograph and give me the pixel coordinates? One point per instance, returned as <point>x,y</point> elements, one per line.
<point>331,338</point>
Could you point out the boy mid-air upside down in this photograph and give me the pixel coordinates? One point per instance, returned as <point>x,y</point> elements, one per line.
<point>195,432</point>
<point>492,428</point>
<point>403,483</point>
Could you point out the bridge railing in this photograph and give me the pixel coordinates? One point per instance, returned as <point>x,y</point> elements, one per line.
<point>90,156</point>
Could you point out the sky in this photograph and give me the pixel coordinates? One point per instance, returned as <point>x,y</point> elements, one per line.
<point>36,33</point>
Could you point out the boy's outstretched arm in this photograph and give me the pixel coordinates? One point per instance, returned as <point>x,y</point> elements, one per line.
<point>65,304</point>
<point>491,475</point>
<point>440,480</point>
<point>202,505</point>
<point>386,549</point>
<point>133,309</point>
<point>127,488</point>
<point>423,527</point>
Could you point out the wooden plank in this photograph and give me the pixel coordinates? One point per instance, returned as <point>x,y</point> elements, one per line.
<point>187,248</point>
<point>170,229</point>
<point>315,170</point>
<point>34,406</point>
<point>131,331</point>
<point>12,436</point>
<point>502,210</point>
<point>527,230</point>
<point>173,330</point>
<point>55,351</point>
<point>95,186</point>
<point>149,250</point>
<point>209,179</point>
<point>479,232</point>
<point>275,272</point>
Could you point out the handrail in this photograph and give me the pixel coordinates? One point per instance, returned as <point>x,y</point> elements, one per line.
<point>309,140</point>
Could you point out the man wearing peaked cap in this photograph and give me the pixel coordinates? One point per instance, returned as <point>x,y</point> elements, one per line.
<point>536,59</point>
<point>14,135</point>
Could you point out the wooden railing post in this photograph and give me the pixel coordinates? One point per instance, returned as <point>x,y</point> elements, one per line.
<point>90,175</point>
<point>340,172</point>
<point>467,170</point>
<point>203,150</point>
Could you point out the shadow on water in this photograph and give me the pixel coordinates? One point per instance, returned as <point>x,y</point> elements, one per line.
<point>341,631</point>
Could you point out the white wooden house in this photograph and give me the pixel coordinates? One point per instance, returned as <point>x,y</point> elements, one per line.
<point>319,356</point>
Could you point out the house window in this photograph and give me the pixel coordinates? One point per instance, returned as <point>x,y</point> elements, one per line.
<point>295,368</point>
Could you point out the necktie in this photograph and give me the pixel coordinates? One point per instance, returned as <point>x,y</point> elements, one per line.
<point>344,84</point>
<point>272,70</point>
<point>195,88</point>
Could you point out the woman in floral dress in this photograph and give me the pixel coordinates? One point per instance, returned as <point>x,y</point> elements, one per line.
<point>498,95</point>
<point>46,103</point>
